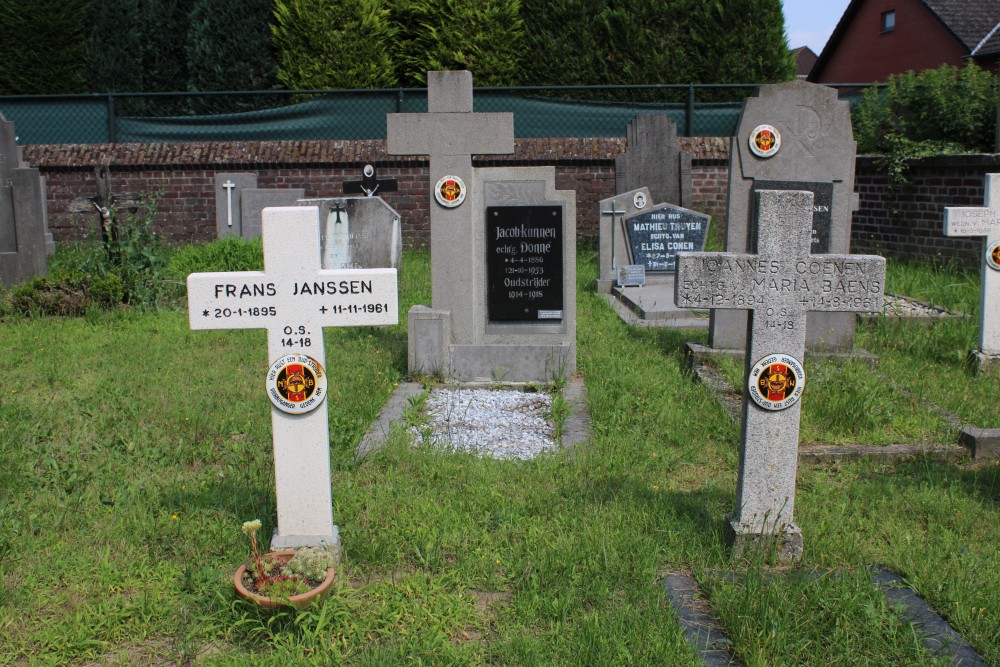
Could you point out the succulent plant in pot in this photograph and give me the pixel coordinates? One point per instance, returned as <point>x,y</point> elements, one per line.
<point>283,578</point>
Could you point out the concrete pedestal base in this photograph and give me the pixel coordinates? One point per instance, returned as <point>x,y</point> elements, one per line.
<point>330,542</point>
<point>980,362</point>
<point>786,544</point>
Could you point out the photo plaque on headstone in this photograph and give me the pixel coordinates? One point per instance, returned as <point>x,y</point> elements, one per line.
<point>657,235</point>
<point>524,264</point>
<point>822,208</point>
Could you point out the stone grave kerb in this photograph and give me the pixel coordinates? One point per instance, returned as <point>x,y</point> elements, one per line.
<point>779,282</point>
<point>984,222</point>
<point>817,145</point>
<point>293,298</point>
<point>450,133</point>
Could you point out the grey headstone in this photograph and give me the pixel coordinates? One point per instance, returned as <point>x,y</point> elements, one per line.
<point>817,147</point>
<point>779,284</point>
<point>24,235</point>
<point>229,189</point>
<point>455,335</point>
<point>984,222</point>
<point>656,235</point>
<point>358,233</point>
<point>253,201</point>
<point>613,250</point>
<point>652,160</point>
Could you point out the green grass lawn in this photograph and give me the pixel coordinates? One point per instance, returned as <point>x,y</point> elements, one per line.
<point>133,450</point>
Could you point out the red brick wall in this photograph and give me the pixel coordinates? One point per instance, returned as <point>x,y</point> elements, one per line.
<point>914,230</point>
<point>183,177</point>
<point>864,54</point>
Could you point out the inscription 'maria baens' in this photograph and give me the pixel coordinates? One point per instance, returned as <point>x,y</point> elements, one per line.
<point>733,280</point>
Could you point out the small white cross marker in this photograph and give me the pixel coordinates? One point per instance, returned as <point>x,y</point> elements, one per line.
<point>293,299</point>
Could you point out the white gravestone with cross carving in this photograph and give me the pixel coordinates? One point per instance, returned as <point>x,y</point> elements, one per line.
<point>778,284</point>
<point>985,222</point>
<point>293,298</point>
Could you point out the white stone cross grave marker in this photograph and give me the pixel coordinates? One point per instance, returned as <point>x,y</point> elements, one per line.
<point>778,284</point>
<point>229,185</point>
<point>293,298</point>
<point>985,222</point>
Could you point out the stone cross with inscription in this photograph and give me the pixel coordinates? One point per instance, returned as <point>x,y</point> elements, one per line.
<point>293,299</point>
<point>985,222</point>
<point>449,134</point>
<point>779,284</point>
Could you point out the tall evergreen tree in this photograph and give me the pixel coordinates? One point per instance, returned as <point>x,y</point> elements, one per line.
<point>229,48</point>
<point>333,44</point>
<point>606,42</point>
<point>42,47</point>
<point>485,37</point>
<point>114,47</point>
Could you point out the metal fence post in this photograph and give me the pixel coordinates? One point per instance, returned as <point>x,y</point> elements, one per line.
<point>689,113</point>
<point>399,101</point>
<point>112,131</point>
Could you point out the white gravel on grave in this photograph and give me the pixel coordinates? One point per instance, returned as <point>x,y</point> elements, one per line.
<point>504,424</point>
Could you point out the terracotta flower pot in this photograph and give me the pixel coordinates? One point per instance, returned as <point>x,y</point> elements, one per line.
<point>298,601</point>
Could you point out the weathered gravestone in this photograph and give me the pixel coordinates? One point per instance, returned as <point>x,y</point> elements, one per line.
<point>255,200</point>
<point>778,282</point>
<point>985,222</point>
<point>655,236</point>
<point>638,248</point>
<point>652,160</point>
<point>229,189</point>
<point>503,248</point>
<point>613,239</point>
<point>293,299</point>
<point>24,238</point>
<point>792,136</point>
<point>358,232</point>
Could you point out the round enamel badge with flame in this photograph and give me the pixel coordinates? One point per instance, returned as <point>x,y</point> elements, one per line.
<point>765,141</point>
<point>993,256</point>
<point>450,191</point>
<point>776,382</point>
<point>296,384</point>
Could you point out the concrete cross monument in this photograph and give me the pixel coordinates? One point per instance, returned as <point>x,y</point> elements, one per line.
<point>503,248</point>
<point>778,284</point>
<point>293,299</point>
<point>984,222</point>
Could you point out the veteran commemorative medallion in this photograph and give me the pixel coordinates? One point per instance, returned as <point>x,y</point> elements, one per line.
<point>993,256</point>
<point>296,384</point>
<point>450,191</point>
<point>776,382</point>
<point>765,141</point>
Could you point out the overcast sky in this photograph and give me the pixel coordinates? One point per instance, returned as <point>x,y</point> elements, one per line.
<point>810,22</point>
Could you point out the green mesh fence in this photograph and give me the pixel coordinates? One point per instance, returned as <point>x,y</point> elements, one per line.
<point>324,115</point>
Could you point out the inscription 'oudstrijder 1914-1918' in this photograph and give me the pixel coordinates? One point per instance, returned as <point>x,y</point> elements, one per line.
<point>524,263</point>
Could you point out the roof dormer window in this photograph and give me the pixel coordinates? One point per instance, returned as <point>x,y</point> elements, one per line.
<point>889,21</point>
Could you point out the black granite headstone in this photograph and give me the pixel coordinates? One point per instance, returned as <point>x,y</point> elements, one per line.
<point>524,263</point>
<point>822,208</point>
<point>657,235</point>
